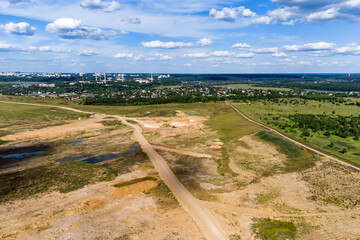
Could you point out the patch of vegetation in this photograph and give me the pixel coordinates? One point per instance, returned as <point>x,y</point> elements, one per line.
<point>230,127</point>
<point>287,147</point>
<point>185,170</point>
<point>113,124</point>
<point>126,163</point>
<point>134,181</point>
<point>235,237</point>
<point>270,195</point>
<point>334,184</point>
<point>64,177</point>
<point>132,121</point>
<point>159,113</point>
<point>298,158</point>
<point>268,229</point>
<point>163,195</point>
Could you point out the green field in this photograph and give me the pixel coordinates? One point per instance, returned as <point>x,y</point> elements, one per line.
<point>264,110</point>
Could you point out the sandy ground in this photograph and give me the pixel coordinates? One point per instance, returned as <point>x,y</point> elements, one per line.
<point>98,211</point>
<point>58,131</point>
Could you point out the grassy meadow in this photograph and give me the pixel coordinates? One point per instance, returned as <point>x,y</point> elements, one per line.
<point>262,110</point>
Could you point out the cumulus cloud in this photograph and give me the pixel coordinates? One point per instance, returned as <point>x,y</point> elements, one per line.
<point>266,50</point>
<point>279,54</point>
<point>245,55</point>
<point>87,53</point>
<point>231,14</point>
<point>222,53</point>
<point>309,47</point>
<point>101,5</point>
<point>204,42</point>
<point>350,49</point>
<point>196,55</point>
<point>325,15</point>
<point>124,55</point>
<point>261,20</point>
<point>158,56</point>
<point>167,45</point>
<point>5,47</point>
<point>131,20</point>
<point>21,28</point>
<point>241,45</point>
<point>70,28</point>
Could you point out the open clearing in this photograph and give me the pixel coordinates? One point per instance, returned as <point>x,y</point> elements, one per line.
<point>240,177</point>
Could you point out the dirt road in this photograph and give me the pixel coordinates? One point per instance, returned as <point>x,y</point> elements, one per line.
<point>205,221</point>
<point>292,140</point>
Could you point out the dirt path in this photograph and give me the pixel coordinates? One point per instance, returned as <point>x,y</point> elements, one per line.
<point>206,222</point>
<point>292,140</point>
<point>181,152</point>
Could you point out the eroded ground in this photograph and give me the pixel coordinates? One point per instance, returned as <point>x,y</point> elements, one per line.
<point>236,175</point>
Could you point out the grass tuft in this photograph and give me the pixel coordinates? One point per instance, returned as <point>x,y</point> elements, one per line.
<point>268,229</point>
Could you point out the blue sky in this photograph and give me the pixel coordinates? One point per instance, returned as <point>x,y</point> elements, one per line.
<point>188,36</point>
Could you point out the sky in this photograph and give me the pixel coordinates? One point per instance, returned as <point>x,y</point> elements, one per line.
<point>187,36</point>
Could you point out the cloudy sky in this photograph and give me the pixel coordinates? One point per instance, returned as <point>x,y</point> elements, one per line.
<point>188,36</point>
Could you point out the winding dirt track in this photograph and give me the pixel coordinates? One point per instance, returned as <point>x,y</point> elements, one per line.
<point>205,221</point>
<point>292,140</point>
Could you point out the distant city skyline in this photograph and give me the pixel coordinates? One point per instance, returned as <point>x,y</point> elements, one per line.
<point>190,36</point>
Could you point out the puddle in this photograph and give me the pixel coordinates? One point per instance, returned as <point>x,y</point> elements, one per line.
<point>17,155</point>
<point>133,148</point>
<point>71,159</point>
<point>101,158</point>
<point>75,143</point>
<point>21,155</point>
<point>109,156</point>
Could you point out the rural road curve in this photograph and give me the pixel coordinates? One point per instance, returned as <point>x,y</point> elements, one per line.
<point>292,140</point>
<point>208,225</point>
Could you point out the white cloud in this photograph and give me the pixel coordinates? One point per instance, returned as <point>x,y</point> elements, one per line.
<point>124,55</point>
<point>196,55</point>
<point>87,53</point>
<point>262,20</point>
<point>158,56</point>
<point>241,45</point>
<point>350,49</point>
<point>70,28</point>
<point>222,53</point>
<point>309,47</point>
<point>21,28</point>
<point>131,20</point>
<point>5,47</point>
<point>167,45</point>
<point>266,50</point>
<point>279,54</point>
<point>304,63</point>
<point>323,15</point>
<point>101,5</point>
<point>231,14</point>
<point>204,42</point>
<point>245,55</point>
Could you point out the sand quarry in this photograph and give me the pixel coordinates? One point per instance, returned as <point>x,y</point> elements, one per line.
<point>103,211</point>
